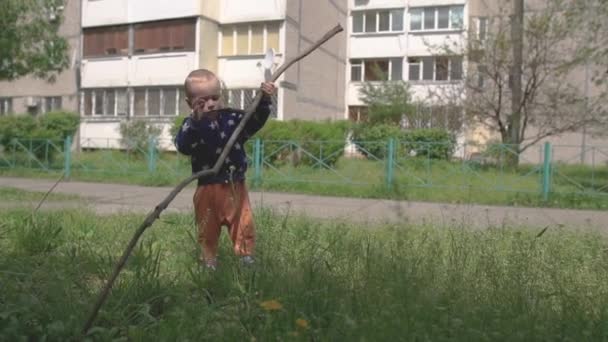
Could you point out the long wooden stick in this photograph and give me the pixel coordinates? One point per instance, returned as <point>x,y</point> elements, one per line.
<point>155,214</point>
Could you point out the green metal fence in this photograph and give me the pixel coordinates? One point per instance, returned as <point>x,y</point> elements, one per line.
<point>388,166</point>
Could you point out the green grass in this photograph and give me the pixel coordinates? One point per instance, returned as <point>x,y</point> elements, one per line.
<point>14,194</point>
<point>572,186</point>
<point>385,283</point>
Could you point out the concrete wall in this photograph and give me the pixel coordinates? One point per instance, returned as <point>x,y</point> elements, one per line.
<point>315,87</point>
<point>153,69</point>
<point>233,11</point>
<point>112,12</point>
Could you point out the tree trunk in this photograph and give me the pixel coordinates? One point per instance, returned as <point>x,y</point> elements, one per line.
<point>514,125</point>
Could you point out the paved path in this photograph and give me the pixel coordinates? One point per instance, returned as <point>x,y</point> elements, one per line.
<point>113,198</point>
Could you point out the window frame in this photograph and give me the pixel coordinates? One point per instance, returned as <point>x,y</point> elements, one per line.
<point>376,12</point>
<point>362,63</point>
<point>106,30</point>
<point>229,93</point>
<point>234,39</point>
<point>169,28</point>
<point>433,60</point>
<point>424,9</point>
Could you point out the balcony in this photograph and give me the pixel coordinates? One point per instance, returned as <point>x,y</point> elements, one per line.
<point>154,69</point>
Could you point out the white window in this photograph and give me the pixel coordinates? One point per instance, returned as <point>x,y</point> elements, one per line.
<point>159,101</point>
<point>436,68</point>
<point>380,69</point>
<point>249,39</point>
<point>378,21</point>
<point>242,97</point>
<point>52,103</point>
<point>436,18</point>
<point>6,105</point>
<point>106,102</point>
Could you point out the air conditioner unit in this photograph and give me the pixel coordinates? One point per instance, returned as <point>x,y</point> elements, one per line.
<point>31,101</point>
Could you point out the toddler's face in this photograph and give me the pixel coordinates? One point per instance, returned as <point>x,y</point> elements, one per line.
<point>205,96</point>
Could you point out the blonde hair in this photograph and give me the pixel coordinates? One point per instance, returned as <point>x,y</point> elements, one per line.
<point>200,75</point>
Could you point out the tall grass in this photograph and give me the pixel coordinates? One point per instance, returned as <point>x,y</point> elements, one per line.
<point>314,280</point>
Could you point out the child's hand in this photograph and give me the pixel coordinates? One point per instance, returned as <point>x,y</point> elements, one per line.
<point>268,88</point>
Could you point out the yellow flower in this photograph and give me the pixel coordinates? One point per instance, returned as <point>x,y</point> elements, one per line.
<point>302,323</point>
<point>271,305</point>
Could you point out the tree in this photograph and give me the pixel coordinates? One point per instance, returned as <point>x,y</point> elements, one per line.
<point>387,101</point>
<point>29,39</point>
<point>549,99</point>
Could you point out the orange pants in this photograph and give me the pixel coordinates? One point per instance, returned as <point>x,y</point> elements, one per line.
<point>227,204</point>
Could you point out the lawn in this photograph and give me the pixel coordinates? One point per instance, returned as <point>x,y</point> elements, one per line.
<point>420,179</point>
<point>314,280</point>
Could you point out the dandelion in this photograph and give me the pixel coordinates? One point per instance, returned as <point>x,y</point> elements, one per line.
<point>271,305</point>
<point>302,323</point>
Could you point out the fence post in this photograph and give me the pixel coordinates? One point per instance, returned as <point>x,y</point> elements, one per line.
<point>67,157</point>
<point>151,154</point>
<point>257,161</point>
<point>390,161</point>
<point>546,179</point>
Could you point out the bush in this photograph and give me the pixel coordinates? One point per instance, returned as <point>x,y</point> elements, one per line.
<point>427,143</point>
<point>136,135</point>
<point>16,127</point>
<point>323,139</point>
<point>59,124</point>
<point>54,126</point>
<point>371,139</point>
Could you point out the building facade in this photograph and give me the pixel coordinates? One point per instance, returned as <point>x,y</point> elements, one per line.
<point>137,53</point>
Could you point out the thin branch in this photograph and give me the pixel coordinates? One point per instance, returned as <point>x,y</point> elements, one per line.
<point>48,193</point>
<point>155,214</point>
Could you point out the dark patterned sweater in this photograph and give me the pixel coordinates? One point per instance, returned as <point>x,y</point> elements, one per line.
<point>203,140</point>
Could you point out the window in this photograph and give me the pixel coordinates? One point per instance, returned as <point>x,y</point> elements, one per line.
<point>414,68</point>
<point>165,36</point>
<point>436,18</point>
<point>106,41</point>
<point>456,68</point>
<point>482,28</point>
<point>456,17</point>
<point>439,68</point>
<point>170,101</point>
<point>105,102</point>
<point>356,70</point>
<point>397,19</point>
<point>249,39</point>
<point>370,21</point>
<point>358,22</point>
<point>6,105</point>
<point>241,98</point>
<point>385,69</point>
<point>443,17</point>
<point>159,101</point>
<point>429,18</point>
<point>52,103</point>
<point>357,113</point>
<point>415,19</point>
<point>378,21</point>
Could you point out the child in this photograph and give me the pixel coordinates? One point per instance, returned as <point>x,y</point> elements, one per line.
<point>221,199</point>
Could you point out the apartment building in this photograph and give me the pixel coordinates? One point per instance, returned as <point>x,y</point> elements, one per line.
<point>401,40</point>
<point>36,96</point>
<point>137,53</point>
